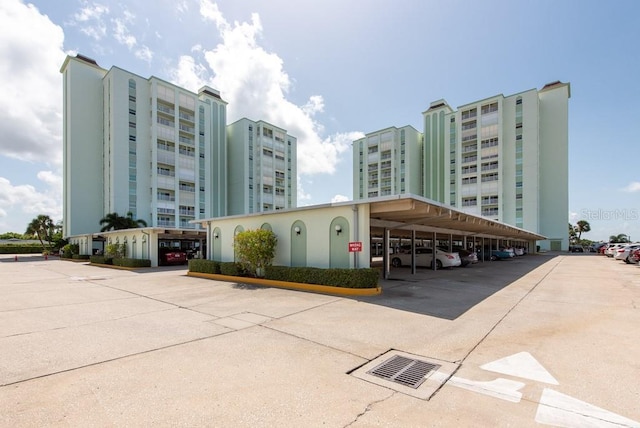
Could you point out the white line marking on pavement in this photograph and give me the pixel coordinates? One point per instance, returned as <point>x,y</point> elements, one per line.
<point>521,365</point>
<point>503,389</point>
<point>561,410</point>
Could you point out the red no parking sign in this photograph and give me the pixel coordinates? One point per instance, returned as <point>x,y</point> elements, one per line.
<point>355,247</point>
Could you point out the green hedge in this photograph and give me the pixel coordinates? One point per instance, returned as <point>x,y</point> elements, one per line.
<point>80,256</point>
<point>231,269</point>
<point>204,266</point>
<point>20,249</point>
<point>101,260</point>
<point>348,278</point>
<point>132,263</point>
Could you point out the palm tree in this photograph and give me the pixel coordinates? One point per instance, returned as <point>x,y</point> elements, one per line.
<point>582,226</point>
<point>43,228</point>
<point>131,223</point>
<point>618,238</point>
<point>114,221</point>
<point>572,234</point>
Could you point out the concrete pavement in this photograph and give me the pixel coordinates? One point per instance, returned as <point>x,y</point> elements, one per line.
<point>536,341</point>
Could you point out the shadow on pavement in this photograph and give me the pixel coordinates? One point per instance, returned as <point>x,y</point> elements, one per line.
<point>449,293</point>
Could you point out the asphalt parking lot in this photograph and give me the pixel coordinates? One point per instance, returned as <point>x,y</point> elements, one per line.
<point>542,340</point>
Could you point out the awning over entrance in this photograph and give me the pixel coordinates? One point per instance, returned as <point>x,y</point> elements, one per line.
<point>406,213</point>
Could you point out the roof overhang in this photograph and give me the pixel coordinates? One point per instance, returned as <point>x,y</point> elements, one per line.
<point>406,213</point>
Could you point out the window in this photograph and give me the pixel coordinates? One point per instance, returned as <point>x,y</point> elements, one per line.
<point>489,177</point>
<point>469,202</point>
<point>470,180</point>
<point>490,200</point>
<point>489,142</point>
<point>489,108</point>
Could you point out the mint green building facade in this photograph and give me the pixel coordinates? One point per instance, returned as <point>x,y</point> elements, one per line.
<point>387,162</point>
<point>263,176</point>
<point>504,158</point>
<point>140,145</point>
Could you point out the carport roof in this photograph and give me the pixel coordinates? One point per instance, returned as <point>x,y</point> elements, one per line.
<point>404,213</point>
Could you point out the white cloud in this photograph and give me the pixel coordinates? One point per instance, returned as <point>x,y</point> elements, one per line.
<point>121,33</point>
<point>30,84</point>
<point>144,53</point>
<point>634,186</point>
<point>339,198</point>
<point>90,20</point>
<point>28,201</point>
<point>256,85</point>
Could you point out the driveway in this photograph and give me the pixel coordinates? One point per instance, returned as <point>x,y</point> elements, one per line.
<point>540,340</point>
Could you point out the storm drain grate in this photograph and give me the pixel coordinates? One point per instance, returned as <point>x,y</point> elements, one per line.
<point>403,370</point>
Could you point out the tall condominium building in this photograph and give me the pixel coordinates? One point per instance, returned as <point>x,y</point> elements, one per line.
<point>262,172</point>
<point>139,145</point>
<point>505,158</point>
<point>387,162</point>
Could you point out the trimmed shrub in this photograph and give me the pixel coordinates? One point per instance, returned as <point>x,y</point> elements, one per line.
<point>132,263</point>
<point>255,250</point>
<point>20,249</point>
<point>70,250</point>
<point>231,269</point>
<point>101,260</point>
<point>204,266</point>
<point>348,278</point>
<point>80,257</point>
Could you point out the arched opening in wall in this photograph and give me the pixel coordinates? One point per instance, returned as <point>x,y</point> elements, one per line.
<point>298,244</point>
<point>339,243</point>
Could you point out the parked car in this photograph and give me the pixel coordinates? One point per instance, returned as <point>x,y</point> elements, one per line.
<point>576,249</point>
<point>502,254</point>
<point>596,246</point>
<point>467,257</point>
<point>519,251</point>
<point>611,250</point>
<point>424,257</point>
<point>624,252</point>
<point>635,256</point>
<point>172,257</point>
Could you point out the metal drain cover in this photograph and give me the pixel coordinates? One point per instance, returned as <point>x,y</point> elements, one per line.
<point>413,375</point>
<point>405,371</point>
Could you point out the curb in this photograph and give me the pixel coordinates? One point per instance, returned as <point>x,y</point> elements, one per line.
<point>314,288</point>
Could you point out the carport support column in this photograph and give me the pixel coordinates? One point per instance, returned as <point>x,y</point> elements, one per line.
<point>433,253</point>
<point>413,252</point>
<point>385,253</point>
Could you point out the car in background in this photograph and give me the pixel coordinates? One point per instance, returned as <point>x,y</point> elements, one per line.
<point>172,256</point>
<point>424,257</point>
<point>612,248</point>
<point>576,249</point>
<point>623,253</point>
<point>519,251</point>
<point>467,257</point>
<point>501,254</point>
<point>635,256</point>
<point>596,246</point>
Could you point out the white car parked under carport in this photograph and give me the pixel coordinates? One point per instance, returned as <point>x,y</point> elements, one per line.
<point>424,257</point>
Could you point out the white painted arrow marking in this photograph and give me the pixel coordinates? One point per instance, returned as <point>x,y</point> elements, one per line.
<point>560,410</point>
<point>503,389</point>
<point>521,365</point>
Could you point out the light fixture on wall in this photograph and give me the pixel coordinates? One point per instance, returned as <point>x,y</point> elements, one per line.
<point>215,235</point>
<point>338,229</point>
<point>297,230</point>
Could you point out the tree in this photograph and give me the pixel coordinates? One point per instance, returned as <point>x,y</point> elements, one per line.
<point>43,228</point>
<point>11,235</point>
<point>114,221</point>
<point>572,234</point>
<point>255,249</point>
<point>620,238</point>
<point>582,226</point>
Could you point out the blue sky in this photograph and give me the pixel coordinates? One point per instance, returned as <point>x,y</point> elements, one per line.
<point>328,72</point>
